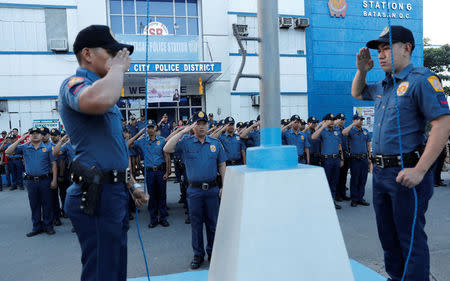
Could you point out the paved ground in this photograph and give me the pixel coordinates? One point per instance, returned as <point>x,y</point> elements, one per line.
<point>56,258</point>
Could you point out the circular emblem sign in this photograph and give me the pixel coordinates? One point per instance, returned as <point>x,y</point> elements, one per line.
<point>157,28</point>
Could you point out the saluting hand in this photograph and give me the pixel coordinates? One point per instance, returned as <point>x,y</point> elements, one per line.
<point>24,136</point>
<point>121,59</point>
<point>364,61</point>
<point>410,177</point>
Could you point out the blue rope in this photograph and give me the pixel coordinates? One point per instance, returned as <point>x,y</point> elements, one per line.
<point>400,144</point>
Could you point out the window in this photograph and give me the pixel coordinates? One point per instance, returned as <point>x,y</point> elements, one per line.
<point>130,16</point>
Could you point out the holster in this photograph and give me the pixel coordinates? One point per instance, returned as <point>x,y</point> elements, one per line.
<point>91,186</point>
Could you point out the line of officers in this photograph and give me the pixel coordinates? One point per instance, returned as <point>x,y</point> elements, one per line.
<point>45,156</point>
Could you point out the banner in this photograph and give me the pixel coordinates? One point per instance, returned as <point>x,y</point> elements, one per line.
<point>369,114</point>
<point>163,89</point>
<point>49,123</point>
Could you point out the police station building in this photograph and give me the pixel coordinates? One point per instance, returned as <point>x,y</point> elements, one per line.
<point>192,42</point>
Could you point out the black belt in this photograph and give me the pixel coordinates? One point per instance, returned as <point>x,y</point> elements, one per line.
<point>358,156</point>
<point>387,161</point>
<point>332,156</point>
<point>315,155</point>
<point>203,185</point>
<point>110,177</point>
<point>157,168</point>
<point>233,162</point>
<point>37,178</point>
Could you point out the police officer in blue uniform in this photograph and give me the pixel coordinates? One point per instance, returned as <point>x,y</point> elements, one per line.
<point>133,129</point>
<point>45,132</point>
<point>97,202</point>
<point>252,134</point>
<point>421,99</point>
<point>141,123</point>
<point>232,143</point>
<point>14,165</point>
<point>40,178</point>
<point>164,126</point>
<point>341,190</point>
<point>204,156</point>
<point>55,136</point>
<point>158,170</point>
<point>211,121</point>
<point>359,154</point>
<point>332,156</point>
<point>314,145</point>
<point>294,136</point>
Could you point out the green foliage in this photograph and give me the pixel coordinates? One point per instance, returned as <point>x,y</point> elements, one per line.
<point>438,61</point>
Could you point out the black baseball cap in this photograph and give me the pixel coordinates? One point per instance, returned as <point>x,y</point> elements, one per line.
<point>63,133</point>
<point>44,130</point>
<point>229,120</point>
<point>251,122</point>
<point>240,125</point>
<point>295,117</point>
<point>199,116</point>
<point>258,118</point>
<point>340,116</point>
<point>95,36</point>
<point>329,116</point>
<point>399,34</point>
<point>284,122</point>
<point>357,117</point>
<point>151,123</point>
<point>302,122</point>
<point>312,119</point>
<point>55,132</point>
<point>34,130</point>
<point>220,123</point>
<point>4,132</point>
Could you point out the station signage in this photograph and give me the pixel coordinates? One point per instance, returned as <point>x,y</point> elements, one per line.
<point>373,9</point>
<point>201,67</point>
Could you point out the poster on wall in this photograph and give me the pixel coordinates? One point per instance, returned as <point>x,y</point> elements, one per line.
<point>163,89</point>
<point>368,113</point>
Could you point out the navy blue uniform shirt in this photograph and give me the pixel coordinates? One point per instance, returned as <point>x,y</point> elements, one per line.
<point>166,129</point>
<point>254,138</point>
<point>37,161</point>
<point>133,129</point>
<point>152,150</point>
<point>420,99</point>
<point>300,140</point>
<point>97,139</point>
<point>330,140</point>
<point>201,160</point>
<point>232,145</point>
<point>314,145</point>
<point>358,139</point>
<point>344,142</point>
<point>68,152</point>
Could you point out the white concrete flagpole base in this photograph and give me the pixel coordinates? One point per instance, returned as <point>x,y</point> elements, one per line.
<point>278,225</point>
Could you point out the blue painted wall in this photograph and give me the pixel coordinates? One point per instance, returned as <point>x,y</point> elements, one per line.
<point>332,44</point>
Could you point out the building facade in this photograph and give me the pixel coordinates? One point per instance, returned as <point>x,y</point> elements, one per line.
<point>192,40</point>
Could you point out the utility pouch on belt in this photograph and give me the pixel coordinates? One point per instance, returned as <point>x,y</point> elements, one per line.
<point>91,184</point>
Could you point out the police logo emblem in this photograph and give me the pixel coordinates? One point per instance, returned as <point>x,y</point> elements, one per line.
<point>335,133</point>
<point>384,32</point>
<point>402,88</point>
<point>44,149</point>
<point>238,138</point>
<point>302,137</point>
<point>365,133</point>
<point>436,83</point>
<point>331,115</point>
<point>213,148</point>
<point>42,129</point>
<point>74,81</point>
<point>158,143</point>
<point>201,114</point>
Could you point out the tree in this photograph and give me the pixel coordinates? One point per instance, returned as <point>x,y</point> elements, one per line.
<point>438,60</point>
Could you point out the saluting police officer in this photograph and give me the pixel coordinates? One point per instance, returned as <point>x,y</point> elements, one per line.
<point>294,136</point>
<point>87,106</point>
<point>158,170</point>
<point>55,136</point>
<point>14,165</point>
<point>421,99</point>
<point>332,155</point>
<point>314,145</point>
<point>232,143</point>
<point>204,156</point>
<point>341,190</point>
<point>359,144</point>
<point>40,178</point>
<point>252,134</point>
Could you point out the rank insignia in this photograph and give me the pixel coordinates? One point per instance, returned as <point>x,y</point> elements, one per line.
<point>436,83</point>
<point>74,81</point>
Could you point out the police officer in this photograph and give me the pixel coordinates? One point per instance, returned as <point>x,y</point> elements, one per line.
<point>204,157</point>
<point>420,99</point>
<point>55,136</point>
<point>331,153</point>
<point>314,145</point>
<point>360,151</point>
<point>87,106</point>
<point>211,121</point>
<point>158,170</point>
<point>141,123</point>
<point>232,143</point>
<point>14,165</point>
<point>40,168</point>
<point>252,133</point>
<point>165,126</point>
<point>45,132</point>
<point>133,129</point>
<point>294,136</point>
<point>341,191</point>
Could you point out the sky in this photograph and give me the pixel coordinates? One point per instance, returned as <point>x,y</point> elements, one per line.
<point>436,21</point>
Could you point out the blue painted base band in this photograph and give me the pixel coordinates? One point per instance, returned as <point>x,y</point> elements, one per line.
<point>272,157</point>
<point>271,136</point>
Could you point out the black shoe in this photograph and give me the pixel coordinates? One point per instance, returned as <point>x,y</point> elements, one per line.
<point>197,262</point>
<point>187,220</point>
<point>21,187</point>
<point>164,223</point>
<point>130,217</point>
<point>338,207</point>
<point>50,231</point>
<point>152,225</point>
<point>363,202</point>
<point>441,183</point>
<point>13,188</point>
<point>338,199</point>
<point>34,233</point>
<point>73,229</point>
<point>181,201</point>
<point>345,198</point>
<point>64,215</point>
<point>57,222</point>
<point>354,204</point>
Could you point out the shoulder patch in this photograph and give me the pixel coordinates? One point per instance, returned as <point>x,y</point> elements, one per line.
<point>436,83</point>
<point>213,148</point>
<point>75,81</point>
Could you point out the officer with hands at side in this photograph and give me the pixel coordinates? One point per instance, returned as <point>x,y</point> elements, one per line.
<point>158,171</point>
<point>97,202</point>
<point>40,178</point>
<point>332,155</point>
<point>421,99</point>
<point>341,190</point>
<point>360,148</point>
<point>204,156</point>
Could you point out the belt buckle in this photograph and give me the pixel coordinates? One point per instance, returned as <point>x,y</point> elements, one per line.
<point>154,169</point>
<point>36,178</point>
<point>127,175</point>
<point>205,186</point>
<point>379,161</point>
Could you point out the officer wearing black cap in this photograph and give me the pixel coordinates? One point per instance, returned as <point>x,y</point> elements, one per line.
<point>45,132</point>
<point>421,99</point>
<point>87,106</point>
<point>40,178</point>
<point>15,165</point>
<point>211,121</point>
<point>55,136</point>
<point>342,188</point>
<point>314,145</point>
<point>158,170</point>
<point>331,152</point>
<point>252,134</point>
<point>294,136</point>
<point>232,143</point>
<point>203,156</point>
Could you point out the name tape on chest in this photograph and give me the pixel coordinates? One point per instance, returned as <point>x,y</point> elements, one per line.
<point>402,88</point>
<point>435,83</point>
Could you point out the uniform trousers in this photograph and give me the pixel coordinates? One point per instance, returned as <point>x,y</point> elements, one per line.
<point>157,190</point>
<point>203,208</point>
<point>102,236</point>
<point>332,168</point>
<point>394,210</point>
<point>41,204</point>
<point>16,170</point>
<point>358,171</point>
<point>341,187</point>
